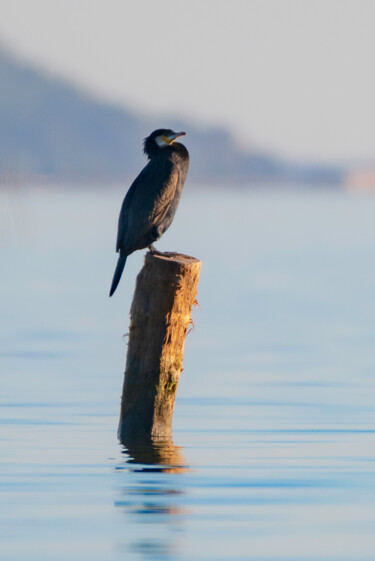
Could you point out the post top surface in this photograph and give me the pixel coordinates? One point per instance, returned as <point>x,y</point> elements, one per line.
<point>171,256</point>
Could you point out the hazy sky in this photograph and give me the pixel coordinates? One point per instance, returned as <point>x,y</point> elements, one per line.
<point>294,76</point>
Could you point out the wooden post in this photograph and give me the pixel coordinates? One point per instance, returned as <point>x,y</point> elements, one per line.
<point>159,317</point>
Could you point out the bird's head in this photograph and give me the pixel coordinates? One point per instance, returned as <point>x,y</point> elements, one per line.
<point>159,139</point>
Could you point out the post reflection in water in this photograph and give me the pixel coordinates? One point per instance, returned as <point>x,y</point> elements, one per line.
<point>154,454</point>
<point>151,492</point>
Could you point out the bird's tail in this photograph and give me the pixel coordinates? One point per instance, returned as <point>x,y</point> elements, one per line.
<point>118,272</point>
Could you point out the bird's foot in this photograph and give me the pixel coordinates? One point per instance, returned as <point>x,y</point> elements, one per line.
<point>154,251</point>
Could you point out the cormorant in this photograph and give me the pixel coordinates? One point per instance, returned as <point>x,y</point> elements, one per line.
<point>151,202</point>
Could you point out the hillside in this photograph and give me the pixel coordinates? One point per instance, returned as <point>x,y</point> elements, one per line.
<point>51,129</point>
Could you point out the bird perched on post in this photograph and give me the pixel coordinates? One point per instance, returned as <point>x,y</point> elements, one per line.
<point>151,202</point>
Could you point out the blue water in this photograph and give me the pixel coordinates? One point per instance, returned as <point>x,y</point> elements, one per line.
<point>273,456</point>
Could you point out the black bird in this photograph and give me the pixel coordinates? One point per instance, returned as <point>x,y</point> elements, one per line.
<point>151,202</point>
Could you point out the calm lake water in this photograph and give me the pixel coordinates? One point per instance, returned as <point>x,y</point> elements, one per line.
<point>273,457</point>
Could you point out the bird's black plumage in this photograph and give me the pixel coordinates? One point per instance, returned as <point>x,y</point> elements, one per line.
<point>151,202</point>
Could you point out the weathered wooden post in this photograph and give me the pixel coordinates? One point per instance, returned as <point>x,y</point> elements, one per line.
<point>159,317</point>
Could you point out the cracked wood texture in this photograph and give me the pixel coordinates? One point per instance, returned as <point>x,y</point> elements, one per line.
<point>165,292</point>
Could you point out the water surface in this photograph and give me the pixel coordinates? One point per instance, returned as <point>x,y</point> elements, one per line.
<point>274,425</point>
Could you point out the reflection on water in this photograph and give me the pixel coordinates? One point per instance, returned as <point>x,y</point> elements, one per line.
<point>154,455</point>
<point>275,413</point>
<point>149,495</point>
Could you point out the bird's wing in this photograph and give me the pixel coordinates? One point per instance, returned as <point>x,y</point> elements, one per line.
<point>124,215</point>
<point>164,197</point>
<point>151,196</point>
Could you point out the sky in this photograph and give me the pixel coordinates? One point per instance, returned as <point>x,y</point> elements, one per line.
<point>294,77</point>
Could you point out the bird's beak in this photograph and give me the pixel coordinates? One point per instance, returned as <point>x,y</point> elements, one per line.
<point>172,137</point>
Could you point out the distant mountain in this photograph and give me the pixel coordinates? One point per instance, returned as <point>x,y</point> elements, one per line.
<point>51,129</point>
